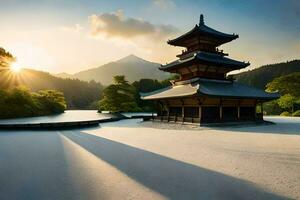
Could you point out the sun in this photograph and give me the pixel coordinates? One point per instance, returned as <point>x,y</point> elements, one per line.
<point>16,68</point>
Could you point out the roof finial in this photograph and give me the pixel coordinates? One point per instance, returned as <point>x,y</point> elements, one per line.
<point>201,22</point>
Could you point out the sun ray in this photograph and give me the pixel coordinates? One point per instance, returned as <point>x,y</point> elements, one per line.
<point>16,67</point>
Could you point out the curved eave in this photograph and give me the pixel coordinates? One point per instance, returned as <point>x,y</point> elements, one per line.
<point>228,63</point>
<point>234,90</point>
<point>203,30</point>
<point>263,98</point>
<point>167,97</point>
<point>171,92</point>
<point>211,88</point>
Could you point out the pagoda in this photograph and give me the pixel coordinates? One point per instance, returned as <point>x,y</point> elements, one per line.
<point>203,93</point>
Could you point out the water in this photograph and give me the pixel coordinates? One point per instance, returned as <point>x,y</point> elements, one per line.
<point>87,115</point>
<point>281,119</point>
<point>67,116</point>
<point>133,114</point>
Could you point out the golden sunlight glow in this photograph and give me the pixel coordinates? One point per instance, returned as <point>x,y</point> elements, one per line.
<point>16,67</point>
<point>31,56</point>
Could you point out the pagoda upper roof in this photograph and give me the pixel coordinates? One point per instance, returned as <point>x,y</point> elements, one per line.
<point>205,58</point>
<point>212,88</point>
<point>202,30</point>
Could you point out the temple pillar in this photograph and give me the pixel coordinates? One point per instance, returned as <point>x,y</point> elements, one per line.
<point>168,113</point>
<point>221,110</point>
<point>152,115</point>
<point>161,110</point>
<point>200,113</point>
<point>255,114</point>
<point>182,110</point>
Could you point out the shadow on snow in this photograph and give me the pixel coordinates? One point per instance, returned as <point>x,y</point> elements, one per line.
<point>171,178</point>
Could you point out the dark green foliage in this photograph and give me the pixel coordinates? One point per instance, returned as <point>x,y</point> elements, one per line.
<point>289,84</point>
<point>148,85</point>
<point>287,102</point>
<point>272,108</point>
<point>261,76</point>
<point>119,97</point>
<point>289,88</point>
<point>20,102</point>
<point>284,77</point>
<point>122,96</point>
<point>79,94</point>
<point>285,114</point>
<point>51,101</point>
<point>296,113</point>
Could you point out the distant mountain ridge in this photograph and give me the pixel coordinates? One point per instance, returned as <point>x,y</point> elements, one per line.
<point>259,77</point>
<point>63,75</point>
<point>132,67</point>
<point>135,68</point>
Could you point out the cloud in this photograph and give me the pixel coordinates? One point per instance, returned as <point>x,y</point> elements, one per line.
<point>117,25</point>
<point>164,4</point>
<point>134,36</point>
<point>77,28</point>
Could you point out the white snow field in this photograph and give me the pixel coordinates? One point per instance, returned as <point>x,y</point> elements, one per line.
<point>131,159</point>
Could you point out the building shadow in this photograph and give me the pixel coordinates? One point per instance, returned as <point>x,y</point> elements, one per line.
<point>171,178</point>
<point>33,166</point>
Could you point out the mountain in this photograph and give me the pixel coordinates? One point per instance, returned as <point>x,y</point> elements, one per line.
<point>133,67</point>
<point>259,77</point>
<point>79,94</point>
<point>63,75</point>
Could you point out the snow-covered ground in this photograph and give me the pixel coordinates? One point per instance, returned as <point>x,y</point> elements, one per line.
<point>131,159</point>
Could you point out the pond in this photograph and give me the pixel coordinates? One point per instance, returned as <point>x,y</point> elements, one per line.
<point>67,116</point>
<point>281,119</point>
<point>89,115</point>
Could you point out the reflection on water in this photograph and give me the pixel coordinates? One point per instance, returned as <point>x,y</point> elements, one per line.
<point>67,116</point>
<point>87,115</point>
<point>133,114</point>
<point>280,119</point>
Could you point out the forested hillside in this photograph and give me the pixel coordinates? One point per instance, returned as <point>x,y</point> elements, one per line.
<point>78,94</point>
<point>261,76</point>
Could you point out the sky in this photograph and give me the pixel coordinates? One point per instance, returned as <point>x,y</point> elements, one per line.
<point>74,35</point>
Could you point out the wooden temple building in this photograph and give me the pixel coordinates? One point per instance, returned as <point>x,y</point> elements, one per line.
<point>204,94</point>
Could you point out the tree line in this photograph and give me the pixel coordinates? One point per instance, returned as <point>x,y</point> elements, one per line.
<point>121,96</point>
<point>268,72</point>
<point>18,101</point>
<point>289,102</point>
<point>78,94</point>
<point>117,97</point>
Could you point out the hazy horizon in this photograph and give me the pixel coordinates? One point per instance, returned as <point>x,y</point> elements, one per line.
<point>72,36</point>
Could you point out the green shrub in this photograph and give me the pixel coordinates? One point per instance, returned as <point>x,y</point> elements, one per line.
<point>285,113</point>
<point>296,113</point>
<point>52,101</point>
<point>20,102</point>
<point>272,108</point>
<point>119,97</point>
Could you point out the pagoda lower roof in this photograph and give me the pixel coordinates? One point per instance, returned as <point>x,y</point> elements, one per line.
<point>209,87</point>
<point>203,30</point>
<point>205,58</point>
